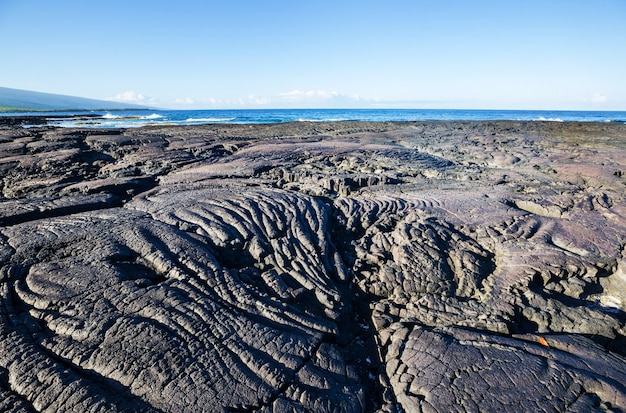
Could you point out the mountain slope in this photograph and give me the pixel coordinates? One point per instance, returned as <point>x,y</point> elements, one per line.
<point>20,100</point>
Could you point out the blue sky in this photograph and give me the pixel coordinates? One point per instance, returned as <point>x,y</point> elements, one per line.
<point>181,54</point>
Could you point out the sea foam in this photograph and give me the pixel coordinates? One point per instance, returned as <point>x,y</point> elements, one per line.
<point>544,119</point>
<point>130,117</point>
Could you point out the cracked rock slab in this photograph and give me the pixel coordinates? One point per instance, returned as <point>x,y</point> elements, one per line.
<point>121,298</point>
<point>455,369</point>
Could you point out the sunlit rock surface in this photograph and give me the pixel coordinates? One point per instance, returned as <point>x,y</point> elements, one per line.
<point>323,267</point>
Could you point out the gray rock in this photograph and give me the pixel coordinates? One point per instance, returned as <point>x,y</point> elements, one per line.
<point>419,266</point>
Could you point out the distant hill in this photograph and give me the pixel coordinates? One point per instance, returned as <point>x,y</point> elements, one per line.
<point>15,100</point>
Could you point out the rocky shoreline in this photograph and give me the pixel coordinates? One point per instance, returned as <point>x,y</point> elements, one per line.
<point>348,266</point>
<point>39,120</point>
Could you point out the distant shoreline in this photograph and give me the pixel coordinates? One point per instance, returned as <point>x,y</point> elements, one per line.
<point>9,111</point>
<point>36,120</point>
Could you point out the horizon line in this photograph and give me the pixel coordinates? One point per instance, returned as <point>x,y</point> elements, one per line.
<point>148,108</point>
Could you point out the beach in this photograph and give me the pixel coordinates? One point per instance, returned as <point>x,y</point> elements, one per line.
<point>314,266</point>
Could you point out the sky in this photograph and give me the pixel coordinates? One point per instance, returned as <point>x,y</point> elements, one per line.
<point>185,54</point>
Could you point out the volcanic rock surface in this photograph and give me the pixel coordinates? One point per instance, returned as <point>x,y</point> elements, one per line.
<point>323,267</point>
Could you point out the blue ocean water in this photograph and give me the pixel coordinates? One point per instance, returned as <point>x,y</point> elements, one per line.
<point>136,118</point>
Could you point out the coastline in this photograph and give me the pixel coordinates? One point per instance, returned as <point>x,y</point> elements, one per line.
<point>9,120</point>
<point>156,117</point>
<point>362,264</point>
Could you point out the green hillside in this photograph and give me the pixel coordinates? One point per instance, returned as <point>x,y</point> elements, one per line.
<point>17,100</point>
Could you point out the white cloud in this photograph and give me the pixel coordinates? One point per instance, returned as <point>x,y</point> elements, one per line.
<point>132,97</point>
<point>323,98</point>
<point>256,100</point>
<point>296,98</point>
<point>298,95</point>
<point>184,101</point>
<point>214,102</point>
<point>599,98</point>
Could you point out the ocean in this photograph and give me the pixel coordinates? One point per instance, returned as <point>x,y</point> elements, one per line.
<point>136,118</point>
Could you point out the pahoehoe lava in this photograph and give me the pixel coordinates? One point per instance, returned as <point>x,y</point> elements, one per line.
<point>322,267</point>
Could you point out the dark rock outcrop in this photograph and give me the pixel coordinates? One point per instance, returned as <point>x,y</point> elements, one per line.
<point>431,266</point>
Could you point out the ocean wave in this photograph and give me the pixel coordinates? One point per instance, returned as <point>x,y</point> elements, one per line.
<point>543,119</point>
<point>110,116</point>
<point>209,119</point>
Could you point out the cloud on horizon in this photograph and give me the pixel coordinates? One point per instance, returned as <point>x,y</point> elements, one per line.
<point>184,101</point>
<point>295,98</point>
<point>298,95</point>
<point>323,98</point>
<point>599,98</point>
<point>132,97</point>
<point>258,100</point>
